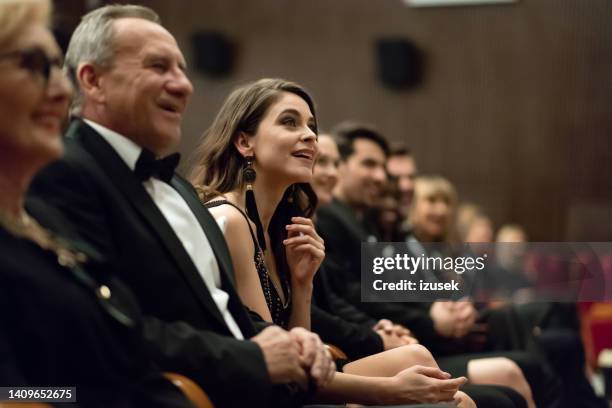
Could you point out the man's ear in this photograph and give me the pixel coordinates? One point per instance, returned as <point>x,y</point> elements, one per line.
<point>90,80</point>
<point>244,144</point>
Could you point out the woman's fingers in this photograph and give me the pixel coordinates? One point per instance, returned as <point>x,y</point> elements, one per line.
<point>295,229</point>
<point>316,252</point>
<point>302,220</point>
<point>304,239</point>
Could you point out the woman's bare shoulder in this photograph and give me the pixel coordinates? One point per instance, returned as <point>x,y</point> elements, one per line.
<point>236,225</point>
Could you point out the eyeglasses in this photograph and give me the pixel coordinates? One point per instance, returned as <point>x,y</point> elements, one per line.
<point>35,60</point>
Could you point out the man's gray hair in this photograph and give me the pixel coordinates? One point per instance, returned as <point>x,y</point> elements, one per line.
<point>92,41</point>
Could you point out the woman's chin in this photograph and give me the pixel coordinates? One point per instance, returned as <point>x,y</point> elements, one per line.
<point>45,153</point>
<point>301,177</point>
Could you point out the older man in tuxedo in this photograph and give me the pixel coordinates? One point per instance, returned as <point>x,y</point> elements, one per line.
<point>132,90</point>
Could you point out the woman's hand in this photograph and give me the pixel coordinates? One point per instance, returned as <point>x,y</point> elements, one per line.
<point>423,385</point>
<point>305,250</point>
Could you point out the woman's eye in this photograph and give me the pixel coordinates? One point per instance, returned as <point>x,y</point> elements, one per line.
<point>289,122</point>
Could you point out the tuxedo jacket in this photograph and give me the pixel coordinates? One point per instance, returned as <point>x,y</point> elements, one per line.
<point>58,331</point>
<point>185,332</point>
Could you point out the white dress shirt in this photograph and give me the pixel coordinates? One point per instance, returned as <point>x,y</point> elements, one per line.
<point>183,222</point>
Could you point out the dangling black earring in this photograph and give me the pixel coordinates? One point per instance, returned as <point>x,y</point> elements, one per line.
<point>248,172</point>
<point>249,175</point>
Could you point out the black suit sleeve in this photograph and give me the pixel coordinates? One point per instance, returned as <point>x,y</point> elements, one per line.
<point>327,299</point>
<point>258,322</point>
<point>200,354</point>
<point>357,341</point>
<point>339,278</point>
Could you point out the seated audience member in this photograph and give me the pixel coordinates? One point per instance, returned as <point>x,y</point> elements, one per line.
<point>324,180</point>
<point>558,323</point>
<point>388,216</point>
<point>473,225</point>
<point>132,91</point>
<point>66,319</point>
<point>253,170</point>
<point>402,171</point>
<point>510,257</point>
<point>344,226</point>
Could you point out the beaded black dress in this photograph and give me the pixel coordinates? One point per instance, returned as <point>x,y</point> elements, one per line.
<point>280,312</point>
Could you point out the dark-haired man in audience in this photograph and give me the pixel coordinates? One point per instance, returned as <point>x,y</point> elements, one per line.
<point>132,91</point>
<point>345,224</point>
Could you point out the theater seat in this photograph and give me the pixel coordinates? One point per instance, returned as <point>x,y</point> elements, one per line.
<point>596,321</point>
<point>191,390</point>
<point>336,353</point>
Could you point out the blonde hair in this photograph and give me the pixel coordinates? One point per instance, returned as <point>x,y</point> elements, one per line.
<point>467,215</point>
<point>436,186</point>
<point>15,15</point>
<point>509,229</point>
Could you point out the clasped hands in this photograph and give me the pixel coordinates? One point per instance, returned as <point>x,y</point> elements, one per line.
<point>393,335</point>
<point>295,356</point>
<point>453,319</point>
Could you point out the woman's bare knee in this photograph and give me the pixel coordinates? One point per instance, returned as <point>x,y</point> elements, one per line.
<point>496,370</point>
<point>391,362</point>
<point>500,371</point>
<point>418,354</point>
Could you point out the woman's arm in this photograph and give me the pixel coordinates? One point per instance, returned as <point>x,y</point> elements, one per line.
<point>305,252</point>
<point>414,385</point>
<point>241,247</point>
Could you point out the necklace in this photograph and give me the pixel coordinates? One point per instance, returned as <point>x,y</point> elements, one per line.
<point>285,298</point>
<point>24,226</point>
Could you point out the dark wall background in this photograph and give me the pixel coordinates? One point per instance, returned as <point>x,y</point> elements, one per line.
<point>515,107</point>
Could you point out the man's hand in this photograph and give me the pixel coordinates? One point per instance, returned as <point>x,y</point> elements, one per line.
<point>393,335</point>
<point>443,316</point>
<point>391,341</point>
<point>453,319</point>
<point>314,356</point>
<point>383,324</point>
<point>465,317</point>
<point>420,384</point>
<point>282,356</point>
<point>462,400</point>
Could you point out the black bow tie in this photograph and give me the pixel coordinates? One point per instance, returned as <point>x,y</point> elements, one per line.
<point>148,166</point>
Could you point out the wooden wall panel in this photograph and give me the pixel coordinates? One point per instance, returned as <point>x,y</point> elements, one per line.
<point>516,107</point>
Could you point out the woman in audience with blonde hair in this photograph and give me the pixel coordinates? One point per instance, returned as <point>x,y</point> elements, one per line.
<point>253,169</point>
<point>65,320</point>
<point>473,225</point>
<point>432,220</point>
